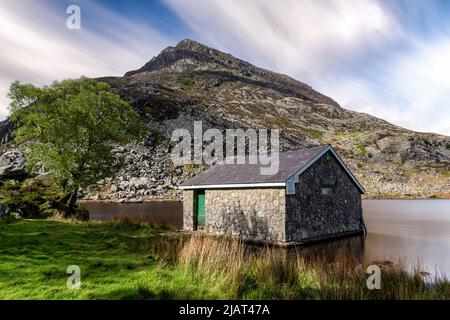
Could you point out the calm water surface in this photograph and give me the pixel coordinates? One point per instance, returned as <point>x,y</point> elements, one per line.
<point>415,231</point>
<point>165,212</point>
<point>411,231</point>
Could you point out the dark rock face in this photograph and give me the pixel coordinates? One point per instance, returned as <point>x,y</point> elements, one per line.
<point>12,161</point>
<point>5,131</point>
<point>190,56</point>
<point>310,215</point>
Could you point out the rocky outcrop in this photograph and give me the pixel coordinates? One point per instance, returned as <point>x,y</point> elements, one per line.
<point>12,164</point>
<point>194,82</point>
<point>191,56</point>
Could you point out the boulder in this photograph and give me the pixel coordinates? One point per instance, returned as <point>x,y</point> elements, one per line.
<point>12,164</point>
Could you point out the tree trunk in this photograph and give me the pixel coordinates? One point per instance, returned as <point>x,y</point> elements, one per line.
<point>72,203</point>
<point>64,200</point>
<point>69,202</point>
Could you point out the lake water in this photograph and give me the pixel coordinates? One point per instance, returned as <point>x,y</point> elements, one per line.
<point>163,212</point>
<point>411,231</point>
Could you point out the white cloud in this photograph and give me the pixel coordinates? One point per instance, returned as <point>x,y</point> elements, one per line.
<point>422,79</point>
<point>357,52</point>
<point>297,37</point>
<point>4,85</point>
<point>413,88</point>
<point>38,48</point>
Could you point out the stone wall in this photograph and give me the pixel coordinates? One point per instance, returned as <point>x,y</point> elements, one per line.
<point>312,215</point>
<point>189,222</point>
<point>252,213</point>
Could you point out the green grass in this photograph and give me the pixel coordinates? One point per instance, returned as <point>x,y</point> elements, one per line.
<point>35,254</point>
<point>361,149</point>
<point>124,260</point>
<point>313,133</point>
<point>286,124</point>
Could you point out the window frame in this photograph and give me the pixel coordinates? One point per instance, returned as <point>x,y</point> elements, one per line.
<point>328,194</point>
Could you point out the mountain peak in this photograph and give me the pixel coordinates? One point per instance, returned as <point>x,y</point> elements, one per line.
<point>190,44</point>
<point>188,55</point>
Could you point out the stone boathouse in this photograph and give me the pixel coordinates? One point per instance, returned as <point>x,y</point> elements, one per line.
<point>314,196</point>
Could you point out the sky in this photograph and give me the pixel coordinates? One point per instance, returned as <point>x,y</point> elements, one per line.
<point>388,58</point>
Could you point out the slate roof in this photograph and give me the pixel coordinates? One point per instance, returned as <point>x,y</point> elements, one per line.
<point>290,163</point>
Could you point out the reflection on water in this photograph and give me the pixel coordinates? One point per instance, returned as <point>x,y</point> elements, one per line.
<point>415,233</point>
<point>348,248</point>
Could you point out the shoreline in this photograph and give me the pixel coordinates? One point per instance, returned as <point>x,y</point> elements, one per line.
<point>372,198</point>
<point>407,197</point>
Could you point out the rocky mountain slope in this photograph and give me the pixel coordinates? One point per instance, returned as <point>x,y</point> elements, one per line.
<point>191,82</point>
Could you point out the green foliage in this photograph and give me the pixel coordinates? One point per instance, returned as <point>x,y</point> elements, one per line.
<point>447,146</point>
<point>32,198</point>
<point>70,127</point>
<point>313,133</point>
<point>354,135</point>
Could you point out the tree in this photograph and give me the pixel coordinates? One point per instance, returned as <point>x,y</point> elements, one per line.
<point>70,128</point>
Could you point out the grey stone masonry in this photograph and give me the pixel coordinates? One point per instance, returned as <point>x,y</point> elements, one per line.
<point>312,215</point>
<point>257,213</point>
<point>188,210</point>
<point>252,213</point>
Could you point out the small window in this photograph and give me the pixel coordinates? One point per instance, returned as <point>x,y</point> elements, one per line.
<point>328,156</point>
<point>327,191</point>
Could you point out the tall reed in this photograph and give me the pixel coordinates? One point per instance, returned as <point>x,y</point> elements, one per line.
<point>227,266</point>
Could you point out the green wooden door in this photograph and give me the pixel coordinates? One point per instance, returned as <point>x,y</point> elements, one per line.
<point>201,208</point>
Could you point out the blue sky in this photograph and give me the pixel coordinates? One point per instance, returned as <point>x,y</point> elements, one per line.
<point>389,58</point>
